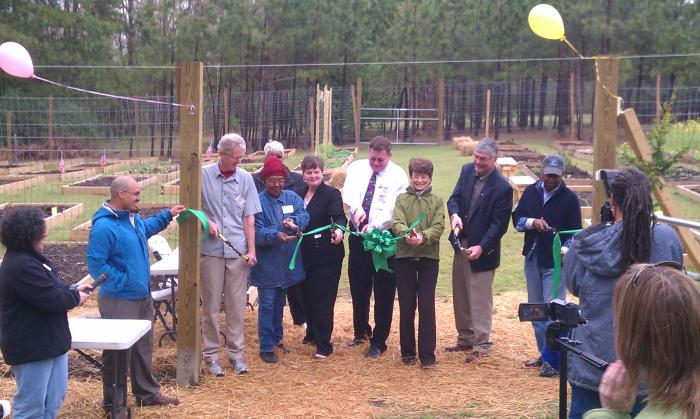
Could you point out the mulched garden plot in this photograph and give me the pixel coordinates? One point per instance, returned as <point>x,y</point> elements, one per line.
<point>85,165</point>
<point>104,181</point>
<point>585,198</point>
<point>6,181</point>
<point>46,209</point>
<point>150,212</point>
<point>571,172</point>
<point>52,172</point>
<point>683,174</point>
<point>70,260</point>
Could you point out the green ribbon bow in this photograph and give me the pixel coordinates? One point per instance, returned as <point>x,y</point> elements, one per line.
<point>380,242</point>
<point>198,214</point>
<point>556,254</point>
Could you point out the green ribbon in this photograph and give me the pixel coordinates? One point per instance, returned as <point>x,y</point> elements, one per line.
<point>556,254</point>
<point>380,242</point>
<point>198,214</point>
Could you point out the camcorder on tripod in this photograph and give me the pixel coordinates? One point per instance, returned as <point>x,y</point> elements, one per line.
<point>606,176</point>
<point>563,317</point>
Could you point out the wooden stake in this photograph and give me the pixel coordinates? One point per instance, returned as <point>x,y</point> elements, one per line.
<point>642,151</point>
<point>572,108</point>
<point>604,125</point>
<point>190,80</point>
<point>358,116</point>
<point>487,121</point>
<point>658,98</point>
<point>441,111</point>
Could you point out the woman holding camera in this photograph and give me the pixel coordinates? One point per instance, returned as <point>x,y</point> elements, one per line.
<point>33,307</point>
<point>597,258</point>
<point>657,335</point>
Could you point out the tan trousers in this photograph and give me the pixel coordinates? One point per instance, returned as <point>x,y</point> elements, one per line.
<point>472,296</point>
<point>227,280</point>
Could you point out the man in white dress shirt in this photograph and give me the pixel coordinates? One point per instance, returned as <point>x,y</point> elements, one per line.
<point>370,191</point>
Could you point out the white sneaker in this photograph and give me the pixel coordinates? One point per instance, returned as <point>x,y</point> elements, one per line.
<point>239,366</point>
<point>214,368</point>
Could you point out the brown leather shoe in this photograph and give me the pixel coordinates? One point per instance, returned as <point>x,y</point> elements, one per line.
<point>458,348</point>
<point>475,356</point>
<point>159,400</point>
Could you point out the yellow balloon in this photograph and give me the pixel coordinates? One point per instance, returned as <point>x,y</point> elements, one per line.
<point>546,22</point>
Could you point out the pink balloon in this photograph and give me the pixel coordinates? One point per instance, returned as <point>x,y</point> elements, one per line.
<point>15,60</point>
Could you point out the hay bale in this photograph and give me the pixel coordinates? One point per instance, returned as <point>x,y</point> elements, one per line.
<point>467,148</point>
<point>338,178</point>
<point>456,141</point>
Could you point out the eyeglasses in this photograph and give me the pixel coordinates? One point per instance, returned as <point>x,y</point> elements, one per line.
<point>231,156</point>
<point>133,193</point>
<point>667,263</point>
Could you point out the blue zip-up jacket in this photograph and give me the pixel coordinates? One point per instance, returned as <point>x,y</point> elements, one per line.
<point>120,250</point>
<point>272,269</point>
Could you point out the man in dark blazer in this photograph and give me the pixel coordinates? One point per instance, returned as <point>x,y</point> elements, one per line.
<point>479,209</point>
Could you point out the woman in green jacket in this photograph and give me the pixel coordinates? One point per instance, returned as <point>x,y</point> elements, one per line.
<point>417,262</point>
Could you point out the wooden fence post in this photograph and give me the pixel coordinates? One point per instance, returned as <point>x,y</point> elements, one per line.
<point>190,80</point>
<point>572,108</point>
<point>318,118</point>
<point>639,144</point>
<point>487,120</point>
<point>441,111</point>
<point>604,125</point>
<point>358,115</point>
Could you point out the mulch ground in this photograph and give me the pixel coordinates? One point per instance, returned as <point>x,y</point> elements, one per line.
<point>347,384</point>
<point>46,209</point>
<point>104,181</point>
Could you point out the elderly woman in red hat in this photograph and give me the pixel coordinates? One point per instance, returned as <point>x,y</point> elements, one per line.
<point>277,228</point>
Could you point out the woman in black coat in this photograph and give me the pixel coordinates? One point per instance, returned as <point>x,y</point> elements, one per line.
<point>33,305</point>
<point>322,254</point>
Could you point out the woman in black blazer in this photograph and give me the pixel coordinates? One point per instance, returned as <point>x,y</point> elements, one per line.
<point>322,254</point>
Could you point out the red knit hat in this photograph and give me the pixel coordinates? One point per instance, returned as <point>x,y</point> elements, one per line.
<point>273,167</point>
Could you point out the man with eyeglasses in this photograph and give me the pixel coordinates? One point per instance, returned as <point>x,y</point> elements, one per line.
<point>370,191</point>
<point>230,202</point>
<point>479,209</point>
<point>546,206</point>
<point>117,248</point>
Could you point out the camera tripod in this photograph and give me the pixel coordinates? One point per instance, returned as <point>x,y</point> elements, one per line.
<point>555,342</point>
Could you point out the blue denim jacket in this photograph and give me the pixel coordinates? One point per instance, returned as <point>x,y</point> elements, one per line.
<point>272,269</point>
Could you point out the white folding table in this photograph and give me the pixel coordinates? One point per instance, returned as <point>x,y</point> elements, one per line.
<point>108,334</point>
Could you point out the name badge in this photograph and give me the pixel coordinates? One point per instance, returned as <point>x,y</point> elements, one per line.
<point>317,236</point>
<point>287,209</point>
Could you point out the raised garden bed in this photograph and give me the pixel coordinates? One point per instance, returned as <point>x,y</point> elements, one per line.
<point>55,214</point>
<point>690,191</point>
<point>69,259</point>
<point>17,168</point>
<point>260,155</point>
<point>12,184</point>
<point>164,171</point>
<point>99,185</point>
<point>81,232</point>
<point>170,188</point>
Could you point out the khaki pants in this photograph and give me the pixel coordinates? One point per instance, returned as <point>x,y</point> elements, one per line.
<point>472,297</point>
<point>227,280</point>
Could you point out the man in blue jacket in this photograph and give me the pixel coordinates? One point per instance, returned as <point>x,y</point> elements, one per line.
<point>545,207</point>
<point>117,248</point>
<point>479,208</point>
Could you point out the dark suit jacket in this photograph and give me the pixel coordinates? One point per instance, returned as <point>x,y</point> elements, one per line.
<point>326,205</point>
<point>490,218</point>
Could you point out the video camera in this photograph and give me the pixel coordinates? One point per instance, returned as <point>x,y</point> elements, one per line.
<point>560,311</point>
<point>607,176</point>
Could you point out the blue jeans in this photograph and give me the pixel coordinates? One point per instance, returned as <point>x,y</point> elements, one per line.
<point>41,387</point>
<point>583,400</point>
<point>539,290</point>
<point>270,310</point>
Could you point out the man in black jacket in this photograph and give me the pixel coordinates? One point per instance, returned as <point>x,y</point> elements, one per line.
<point>545,207</point>
<point>479,208</point>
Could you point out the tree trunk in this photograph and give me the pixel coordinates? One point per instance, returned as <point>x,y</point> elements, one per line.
<point>543,100</point>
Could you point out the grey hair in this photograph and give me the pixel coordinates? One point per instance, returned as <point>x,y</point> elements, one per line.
<point>230,141</point>
<point>119,184</point>
<point>487,145</point>
<point>274,147</point>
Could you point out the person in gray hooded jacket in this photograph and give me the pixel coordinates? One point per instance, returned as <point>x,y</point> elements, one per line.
<point>598,257</point>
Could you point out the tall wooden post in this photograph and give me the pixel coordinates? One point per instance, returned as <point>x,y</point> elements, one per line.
<point>572,108</point>
<point>639,144</point>
<point>190,80</point>
<point>49,123</point>
<point>358,115</point>
<point>318,116</point>
<point>227,93</point>
<point>441,111</point>
<point>604,124</point>
<point>487,120</point>
<point>10,148</point>
<point>658,97</point>
<point>310,131</point>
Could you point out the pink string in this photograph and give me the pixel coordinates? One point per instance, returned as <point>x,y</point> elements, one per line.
<point>192,109</point>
